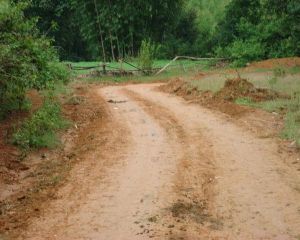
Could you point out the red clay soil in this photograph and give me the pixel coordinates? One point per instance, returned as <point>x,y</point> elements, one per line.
<point>29,184</point>
<point>272,63</point>
<point>224,99</point>
<point>252,119</point>
<point>10,165</point>
<point>241,88</point>
<point>266,64</point>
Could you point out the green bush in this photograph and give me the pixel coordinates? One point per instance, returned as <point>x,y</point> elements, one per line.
<point>147,55</point>
<point>40,129</point>
<point>245,51</point>
<point>27,59</point>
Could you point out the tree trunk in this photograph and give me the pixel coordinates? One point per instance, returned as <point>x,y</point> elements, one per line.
<point>119,49</point>
<point>112,47</point>
<point>100,32</point>
<point>132,47</point>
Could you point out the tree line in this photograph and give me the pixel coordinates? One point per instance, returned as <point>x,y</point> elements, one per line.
<point>243,30</point>
<point>106,29</point>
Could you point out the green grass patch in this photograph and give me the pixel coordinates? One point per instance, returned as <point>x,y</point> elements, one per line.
<point>40,129</point>
<point>294,70</point>
<point>291,129</point>
<point>282,80</point>
<point>180,65</point>
<point>245,102</point>
<point>276,105</point>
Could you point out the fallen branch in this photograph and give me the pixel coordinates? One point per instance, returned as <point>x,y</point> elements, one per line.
<point>186,57</point>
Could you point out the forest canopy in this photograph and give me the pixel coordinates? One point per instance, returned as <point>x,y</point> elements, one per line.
<point>242,30</point>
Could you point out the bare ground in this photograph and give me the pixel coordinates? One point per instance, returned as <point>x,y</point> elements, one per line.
<point>167,169</point>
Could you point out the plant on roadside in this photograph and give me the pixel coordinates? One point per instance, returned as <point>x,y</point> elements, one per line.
<point>146,55</point>
<point>292,127</point>
<point>245,51</point>
<point>40,129</point>
<point>246,101</point>
<point>27,59</point>
<point>292,120</point>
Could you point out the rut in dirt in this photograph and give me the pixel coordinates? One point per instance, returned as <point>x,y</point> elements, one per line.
<point>173,170</point>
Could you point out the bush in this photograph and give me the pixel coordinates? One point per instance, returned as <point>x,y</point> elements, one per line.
<point>27,60</point>
<point>39,130</point>
<point>245,51</point>
<point>146,55</point>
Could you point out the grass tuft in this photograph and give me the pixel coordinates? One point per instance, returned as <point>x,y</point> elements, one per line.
<point>40,129</point>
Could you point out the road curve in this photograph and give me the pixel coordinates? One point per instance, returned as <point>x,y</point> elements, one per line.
<point>173,170</point>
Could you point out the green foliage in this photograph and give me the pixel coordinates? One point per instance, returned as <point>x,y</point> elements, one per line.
<point>80,28</point>
<point>39,130</point>
<point>292,127</point>
<point>27,59</point>
<point>146,55</point>
<point>244,101</point>
<point>259,29</point>
<point>244,30</point>
<point>208,15</point>
<point>242,52</point>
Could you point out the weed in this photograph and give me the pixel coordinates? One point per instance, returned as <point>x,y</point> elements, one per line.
<point>292,127</point>
<point>39,130</point>
<point>279,72</point>
<point>245,101</point>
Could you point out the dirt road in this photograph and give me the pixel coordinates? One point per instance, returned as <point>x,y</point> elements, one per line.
<point>173,170</point>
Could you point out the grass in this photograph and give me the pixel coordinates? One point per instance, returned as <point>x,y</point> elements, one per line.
<point>40,129</point>
<point>183,65</point>
<point>283,80</point>
<point>291,107</point>
<point>286,83</point>
<point>138,78</point>
<point>292,127</point>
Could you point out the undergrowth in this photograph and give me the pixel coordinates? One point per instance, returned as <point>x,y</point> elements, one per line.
<point>291,108</point>
<point>40,129</point>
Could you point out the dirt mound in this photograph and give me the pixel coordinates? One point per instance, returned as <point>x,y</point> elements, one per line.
<point>173,86</point>
<point>199,75</point>
<point>241,88</point>
<point>224,99</point>
<point>271,63</point>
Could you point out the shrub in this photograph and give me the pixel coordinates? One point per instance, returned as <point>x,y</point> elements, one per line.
<point>245,51</point>
<point>146,55</point>
<point>39,130</point>
<point>27,60</point>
